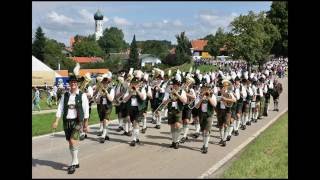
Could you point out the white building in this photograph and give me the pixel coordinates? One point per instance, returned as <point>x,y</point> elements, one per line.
<point>98,17</point>
<point>149,59</point>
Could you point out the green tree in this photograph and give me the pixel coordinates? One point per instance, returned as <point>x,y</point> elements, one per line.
<point>112,40</point>
<point>87,48</point>
<point>254,36</point>
<point>183,52</point>
<point>216,42</point>
<point>278,15</point>
<point>133,61</point>
<point>157,48</point>
<point>39,44</point>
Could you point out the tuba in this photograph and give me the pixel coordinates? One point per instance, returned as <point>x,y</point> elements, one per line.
<point>227,95</point>
<point>85,82</point>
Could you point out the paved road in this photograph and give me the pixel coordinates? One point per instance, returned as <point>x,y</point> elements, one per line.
<point>152,159</point>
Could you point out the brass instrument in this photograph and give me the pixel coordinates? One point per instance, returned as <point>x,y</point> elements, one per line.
<point>172,97</point>
<point>85,82</point>
<point>227,95</point>
<point>205,94</point>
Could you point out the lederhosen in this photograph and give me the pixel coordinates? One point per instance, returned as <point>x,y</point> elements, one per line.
<point>175,112</point>
<point>222,112</point>
<point>135,112</point>
<point>105,107</point>
<point>122,106</point>
<point>72,127</point>
<point>195,112</point>
<point>246,102</point>
<point>156,101</point>
<point>234,108</point>
<point>144,110</point>
<point>186,112</point>
<point>239,102</point>
<point>206,115</point>
<point>267,95</point>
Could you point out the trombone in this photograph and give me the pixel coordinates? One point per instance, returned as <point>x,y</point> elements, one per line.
<point>172,97</point>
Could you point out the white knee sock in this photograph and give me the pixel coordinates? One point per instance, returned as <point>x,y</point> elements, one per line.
<point>104,132</point>
<point>237,124</point>
<point>178,131</point>
<point>197,128</point>
<point>230,128</point>
<point>173,134</point>
<point>166,112</point>
<point>74,155</point>
<point>144,122</point>
<point>243,119</point>
<point>135,134</point>
<point>101,127</point>
<point>120,122</point>
<point>159,120</point>
<point>126,127</point>
<point>185,130</point>
<point>225,134</point>
<point>221,132</point>
<point>130,126</point>
<point>206,140</point>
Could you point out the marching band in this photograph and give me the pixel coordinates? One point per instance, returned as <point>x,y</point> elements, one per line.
<point>233,97</point>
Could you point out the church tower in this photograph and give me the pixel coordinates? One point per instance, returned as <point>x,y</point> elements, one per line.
<point>98,17</point>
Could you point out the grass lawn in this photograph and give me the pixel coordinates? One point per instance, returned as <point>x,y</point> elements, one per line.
<point>266,156</point>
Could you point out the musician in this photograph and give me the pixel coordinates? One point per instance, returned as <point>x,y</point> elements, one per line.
<point>246,104</point>
<point>89,93</point>
<point>254,107</point>
<point>147,87</point>
<point>134,99</point>
<point>276,93</point>
<point>268,88</point>
<point>261,93</point>
<point>120,89</point>
<point>195,112</point>
<point>158,92</point>
<point>206,106</point>
<point>106,96</point>
<point>73,108</point>
<point>225,99</point>
<point>240,93</point>
<point>186,113</point>
<point>174,101</point>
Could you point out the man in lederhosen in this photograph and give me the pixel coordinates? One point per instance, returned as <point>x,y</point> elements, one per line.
<point>268,88</point>
<point>186,113</point>
<point>262,98</point>
<point>175,99</point>
<point>240,93</point>
<point>120,89</point>
<point>157,96</point>
<point>135,99</point>
<point>277,90</point>
<point>206,106</point>
<point>225,97</point>
<point>149,97</point>
<point>106,96</point>
<point>74,108</point>
<point>195,112</point>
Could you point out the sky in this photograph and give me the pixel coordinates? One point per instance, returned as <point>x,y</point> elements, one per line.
<point>147,20</point>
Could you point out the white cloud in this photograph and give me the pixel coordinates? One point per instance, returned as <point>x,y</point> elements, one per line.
<point>60,19</point>
<point>165,21</point>
<point>216,19</point>
<point>177,23</point>
<point>121,21</point>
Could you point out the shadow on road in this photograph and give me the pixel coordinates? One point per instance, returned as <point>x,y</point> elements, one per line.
<point>55,165</point>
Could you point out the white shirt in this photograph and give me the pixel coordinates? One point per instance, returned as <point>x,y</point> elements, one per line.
<point>72,113</point>
<point>90,91</point>
<point>143,94</point>
<point>183,95</point>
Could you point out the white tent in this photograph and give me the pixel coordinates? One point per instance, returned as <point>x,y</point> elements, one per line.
<point>42,74</point>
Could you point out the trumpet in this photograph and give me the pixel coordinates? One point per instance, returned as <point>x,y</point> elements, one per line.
<point>203,97</point>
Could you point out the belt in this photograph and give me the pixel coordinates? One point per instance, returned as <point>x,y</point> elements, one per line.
<point>71,106</point>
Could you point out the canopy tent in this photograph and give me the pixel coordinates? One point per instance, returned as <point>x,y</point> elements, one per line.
<point>42,74</point>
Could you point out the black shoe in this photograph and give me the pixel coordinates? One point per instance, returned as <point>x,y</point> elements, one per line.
<point>176,145</point>
<point>143,130</point>
<point>119,129</point>
<point>133,143</point>
<point>205,150</point>
<point>224,143</point>
<point>172,145</point>
<point>138,141</point>
<point>236,133</point>
<point>221,141</point>
<point>102,140</point>
<point>99,134</point>
<point>157,126</point>
<point>71,169</point>
<point>277,110</point>
<point>255,120</point>
<point>107,138</point>
<point>233,132</point>
<point>243,127</point>
<point>82,137</point>
<point>260,117</point>
<point>247,123</point>
<point>182,140</point>
<point>129,133</point>
<point>196,135</point>
<point>125,133</point>
<point>85,136</point>
<point>228,138</point>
